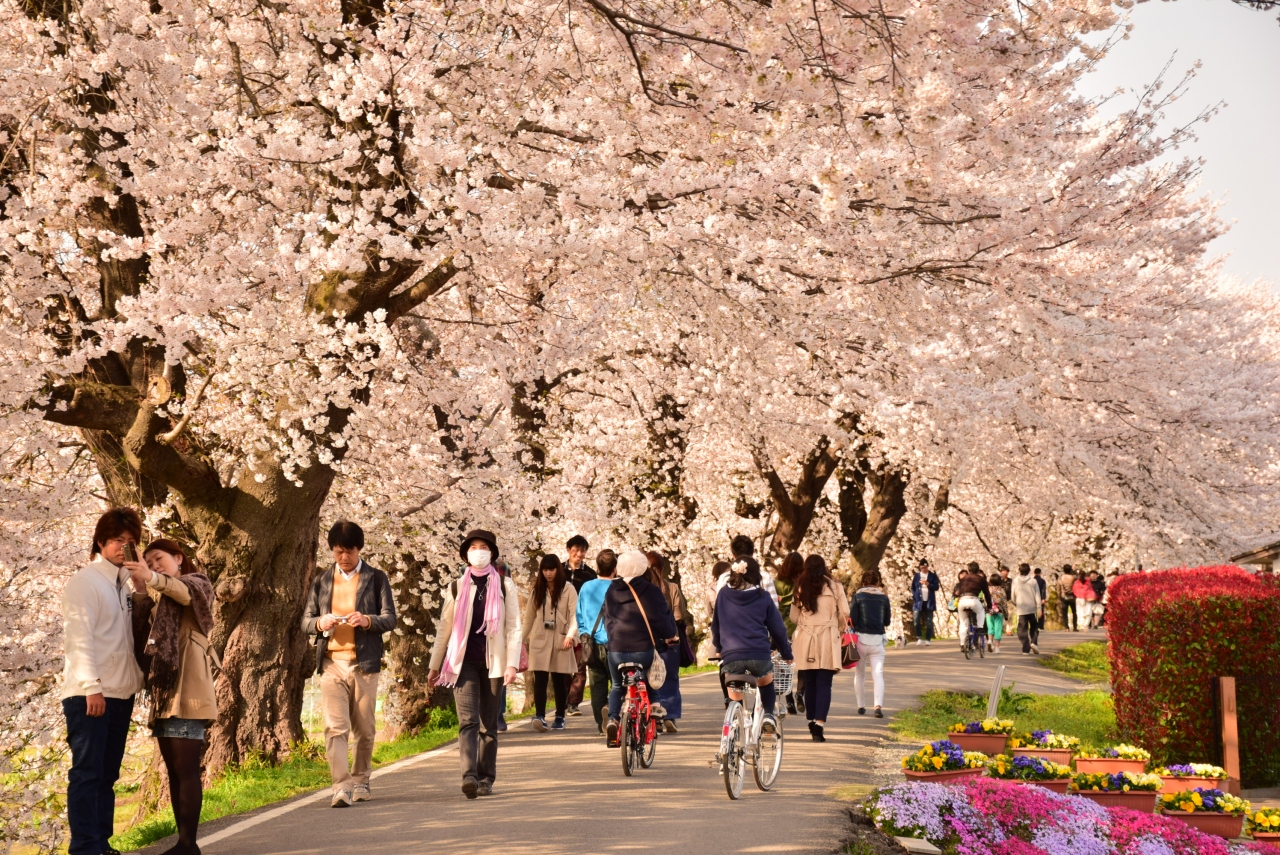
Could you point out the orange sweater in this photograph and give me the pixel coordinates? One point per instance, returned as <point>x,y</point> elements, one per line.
<point>342,644</point>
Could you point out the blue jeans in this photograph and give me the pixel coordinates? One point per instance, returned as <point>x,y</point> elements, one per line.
<point>644,658</point>
<point>97,749</point>
<point>669,693</point>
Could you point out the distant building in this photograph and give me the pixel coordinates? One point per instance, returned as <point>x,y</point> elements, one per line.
<point>1264,558</point>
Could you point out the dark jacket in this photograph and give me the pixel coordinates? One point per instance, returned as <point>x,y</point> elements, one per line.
<point>974,585</point>
<point>745,622</point>
<point>1044,588</point>
<point>373,598</point>
<point>581,576</point>
<point>923,588</point>
<point>624,622</point>
<point>870,611</point>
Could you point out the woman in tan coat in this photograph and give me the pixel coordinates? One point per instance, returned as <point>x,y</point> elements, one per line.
<point>180,675</point>
<point>550,627</point>
<point>820,613</point>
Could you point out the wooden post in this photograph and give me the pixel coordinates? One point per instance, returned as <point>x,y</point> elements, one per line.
<point>1230,733</point>
<point>993,700</point>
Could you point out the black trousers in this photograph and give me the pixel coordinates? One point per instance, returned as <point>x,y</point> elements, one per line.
<point>476,697</point>
<point>1067,608</point>
<point>601,683</point>
<point>560,685</point>
<point>1028,631</point>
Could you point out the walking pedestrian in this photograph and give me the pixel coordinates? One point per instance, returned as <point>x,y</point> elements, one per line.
<point>973,594</point>
<point>1044,596</point>
<point>100,677</point>
<point>870,612</point>
<point>594,636</point>
<point>1028,604</point>
<point>924,601</point>
<point>1099,607</point>
<point>1067,599</point>
<point>180,676</point>
<point>1085,595</point>
<point>477,650</point>
<point>349,608</point>
<point>747,624</point>
<point>820,612</point>
<point>639,622</point>
<point>549,631</point>
<point>996,614</point>
<point>668,694</point>
<point>580,573</point>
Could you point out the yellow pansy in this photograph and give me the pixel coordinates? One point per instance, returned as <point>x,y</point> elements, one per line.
<point>937,762</point>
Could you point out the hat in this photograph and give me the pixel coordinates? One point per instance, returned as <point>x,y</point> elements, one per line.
<point>632,564</point>
<point>924,562</point>
<point>479,534</point>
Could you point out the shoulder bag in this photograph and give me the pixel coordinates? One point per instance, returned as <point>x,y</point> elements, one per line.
<point>849,654</point>
<point>657,672</point>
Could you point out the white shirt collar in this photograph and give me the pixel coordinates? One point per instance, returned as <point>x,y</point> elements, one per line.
<point>349,576</point>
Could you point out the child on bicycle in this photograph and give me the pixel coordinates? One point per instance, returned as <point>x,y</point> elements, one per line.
<point>745,622</point>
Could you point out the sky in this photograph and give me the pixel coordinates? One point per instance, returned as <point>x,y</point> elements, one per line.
<point>1239,52</point>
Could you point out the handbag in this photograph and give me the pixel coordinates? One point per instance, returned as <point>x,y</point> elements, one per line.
<point>953,604</point>
<point>687,656</point>
<point>849,654</point>
<point>597,655</point>
<point>657,672</point>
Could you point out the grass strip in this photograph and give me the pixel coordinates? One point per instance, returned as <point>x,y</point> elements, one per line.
<point>1087,661</point>
<point>254,784</point>
<point>1088,715</point>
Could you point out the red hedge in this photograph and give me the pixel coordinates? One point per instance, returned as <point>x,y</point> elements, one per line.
<point>1172,633</point>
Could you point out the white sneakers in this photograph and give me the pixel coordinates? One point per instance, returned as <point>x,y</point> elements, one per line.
<point>341,798</point>
<point>362,793</point>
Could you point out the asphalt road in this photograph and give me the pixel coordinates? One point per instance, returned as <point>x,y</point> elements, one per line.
<point>565,792</point>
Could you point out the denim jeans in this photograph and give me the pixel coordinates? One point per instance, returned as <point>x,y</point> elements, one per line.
<point>643,658</point>
<point>923,619</point>
<point>97,748</point>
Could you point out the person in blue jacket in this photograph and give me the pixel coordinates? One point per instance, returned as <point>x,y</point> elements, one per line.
<point>924,602</point>
<point>745,626</point>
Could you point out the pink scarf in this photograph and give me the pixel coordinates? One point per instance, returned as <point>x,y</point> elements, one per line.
<point>462,621</point>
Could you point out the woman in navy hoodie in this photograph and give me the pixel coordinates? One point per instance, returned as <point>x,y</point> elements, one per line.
<point>744,623</point>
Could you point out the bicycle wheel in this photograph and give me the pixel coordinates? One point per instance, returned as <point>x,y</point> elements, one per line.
<point>627,739</point>
<point>769,758</point>
<point>982,647</point>
<point>649,749</point>
<point>968,648</point>
<point>735,759</point>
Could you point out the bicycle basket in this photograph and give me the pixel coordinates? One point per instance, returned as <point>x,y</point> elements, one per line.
<point>783,677</point>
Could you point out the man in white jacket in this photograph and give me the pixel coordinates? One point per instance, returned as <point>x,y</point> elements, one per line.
<point>99,679</point>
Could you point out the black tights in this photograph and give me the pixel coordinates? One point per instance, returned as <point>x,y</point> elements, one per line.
<point>559,683</point>
<point>182,761</point>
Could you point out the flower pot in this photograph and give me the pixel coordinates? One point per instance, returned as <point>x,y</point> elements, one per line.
<point>1057,755</point>
<point>1058,786</point>
<point>1109,765</point>
<point>989,744</point>
<point>1218,824</point>
<point>1271,838</point>
<point>1140,800</point>
<point>1177,785</point>
<point>944,777</point>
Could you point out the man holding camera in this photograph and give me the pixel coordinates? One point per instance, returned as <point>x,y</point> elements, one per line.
<point>349,609</point>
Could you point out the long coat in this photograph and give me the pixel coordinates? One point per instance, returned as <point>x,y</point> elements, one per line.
<point>816,641</point>
<point>546,645</point>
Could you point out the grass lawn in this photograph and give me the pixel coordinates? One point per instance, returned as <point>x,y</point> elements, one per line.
<point>1088,715</point>
<point>252,785</point>
<point>1087,661</point>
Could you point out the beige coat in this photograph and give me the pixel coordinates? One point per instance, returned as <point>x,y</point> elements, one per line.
<point>501,650</point>
<point>816,642</point>
<point>194,695</point>
<point>546,645</point>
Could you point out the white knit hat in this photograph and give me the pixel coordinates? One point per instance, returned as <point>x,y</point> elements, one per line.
<point>632,564</point>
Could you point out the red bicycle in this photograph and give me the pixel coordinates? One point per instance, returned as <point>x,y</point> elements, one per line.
<point>639,729</point>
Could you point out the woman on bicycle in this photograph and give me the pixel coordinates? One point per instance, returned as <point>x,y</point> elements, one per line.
<point>746,624</point>
<point>668,694</point>
<point>549,629</point>
<point>628,602</point>
<point>972,591</point>
<point>820,612</point>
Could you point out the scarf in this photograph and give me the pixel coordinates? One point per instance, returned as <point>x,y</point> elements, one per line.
<point>162,641</point>
<point>462,627</point>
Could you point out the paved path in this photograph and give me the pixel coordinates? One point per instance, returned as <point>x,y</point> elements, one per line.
<point>565,793</point>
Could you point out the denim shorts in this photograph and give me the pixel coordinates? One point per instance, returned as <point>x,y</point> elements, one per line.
<point>179,728</point>
<point>754,667</point>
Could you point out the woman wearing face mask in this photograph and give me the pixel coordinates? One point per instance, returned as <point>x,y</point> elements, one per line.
<point>550,629</point>
<point>476,652</point>
<point>180,676</point>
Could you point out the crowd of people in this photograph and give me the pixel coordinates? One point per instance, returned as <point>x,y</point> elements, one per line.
<point>136,623</point>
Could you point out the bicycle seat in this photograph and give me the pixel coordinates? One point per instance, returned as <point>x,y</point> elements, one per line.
<point>748,679</point>
<point>630,666</point>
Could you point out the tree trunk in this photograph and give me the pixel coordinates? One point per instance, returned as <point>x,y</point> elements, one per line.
<point>409,699</point>
<point>795,506</point>
<point>888,506</point>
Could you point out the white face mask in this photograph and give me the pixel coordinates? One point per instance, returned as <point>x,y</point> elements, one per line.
<point>478,558</point>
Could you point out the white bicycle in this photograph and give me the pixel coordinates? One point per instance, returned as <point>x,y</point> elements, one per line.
<point>741,739</point>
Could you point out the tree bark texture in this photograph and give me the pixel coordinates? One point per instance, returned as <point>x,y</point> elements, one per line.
<point>410,699</point>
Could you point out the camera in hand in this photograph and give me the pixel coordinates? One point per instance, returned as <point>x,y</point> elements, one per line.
<point>130,551</point>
